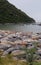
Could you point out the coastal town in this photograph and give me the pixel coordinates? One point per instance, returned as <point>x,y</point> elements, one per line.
<point>13,42</point>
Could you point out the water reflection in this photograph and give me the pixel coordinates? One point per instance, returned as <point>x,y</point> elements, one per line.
<point>21,27</point>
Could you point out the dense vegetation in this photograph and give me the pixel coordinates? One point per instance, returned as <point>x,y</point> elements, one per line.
<point>10,60</point>
<point>10,14</point>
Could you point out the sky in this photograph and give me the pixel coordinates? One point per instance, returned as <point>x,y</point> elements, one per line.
<point>30,7</point>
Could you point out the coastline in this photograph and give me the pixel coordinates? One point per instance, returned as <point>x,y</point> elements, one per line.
<point>9,38</point>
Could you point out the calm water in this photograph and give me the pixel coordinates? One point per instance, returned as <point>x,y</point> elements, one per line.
<point>21,27</point>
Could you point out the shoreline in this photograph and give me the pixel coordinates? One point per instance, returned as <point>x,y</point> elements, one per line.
<point>13,41</point>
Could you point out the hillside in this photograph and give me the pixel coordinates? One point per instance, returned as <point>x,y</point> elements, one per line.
<point>10,14</point>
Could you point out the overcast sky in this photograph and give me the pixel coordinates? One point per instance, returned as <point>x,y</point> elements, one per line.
<point>30,7</point>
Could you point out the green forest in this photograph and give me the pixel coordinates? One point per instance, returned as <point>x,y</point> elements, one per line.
<point>10,14</point>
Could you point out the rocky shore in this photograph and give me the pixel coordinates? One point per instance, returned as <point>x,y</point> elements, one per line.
<point>13,42</point>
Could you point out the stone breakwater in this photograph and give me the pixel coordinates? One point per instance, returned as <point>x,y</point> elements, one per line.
<point>12,42</point>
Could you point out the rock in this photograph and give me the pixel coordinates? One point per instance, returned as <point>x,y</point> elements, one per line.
<point>14,42</point>
<point>8,51</point>
<point>39,52</point>
<point>18,52</point>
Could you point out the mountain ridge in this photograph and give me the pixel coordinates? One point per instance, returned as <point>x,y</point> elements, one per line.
<point>10,14</point>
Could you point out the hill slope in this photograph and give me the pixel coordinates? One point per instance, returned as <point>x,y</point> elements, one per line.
<point>10,14</point>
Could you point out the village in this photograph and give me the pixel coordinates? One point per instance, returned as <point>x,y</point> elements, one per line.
<point>13,42</point>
